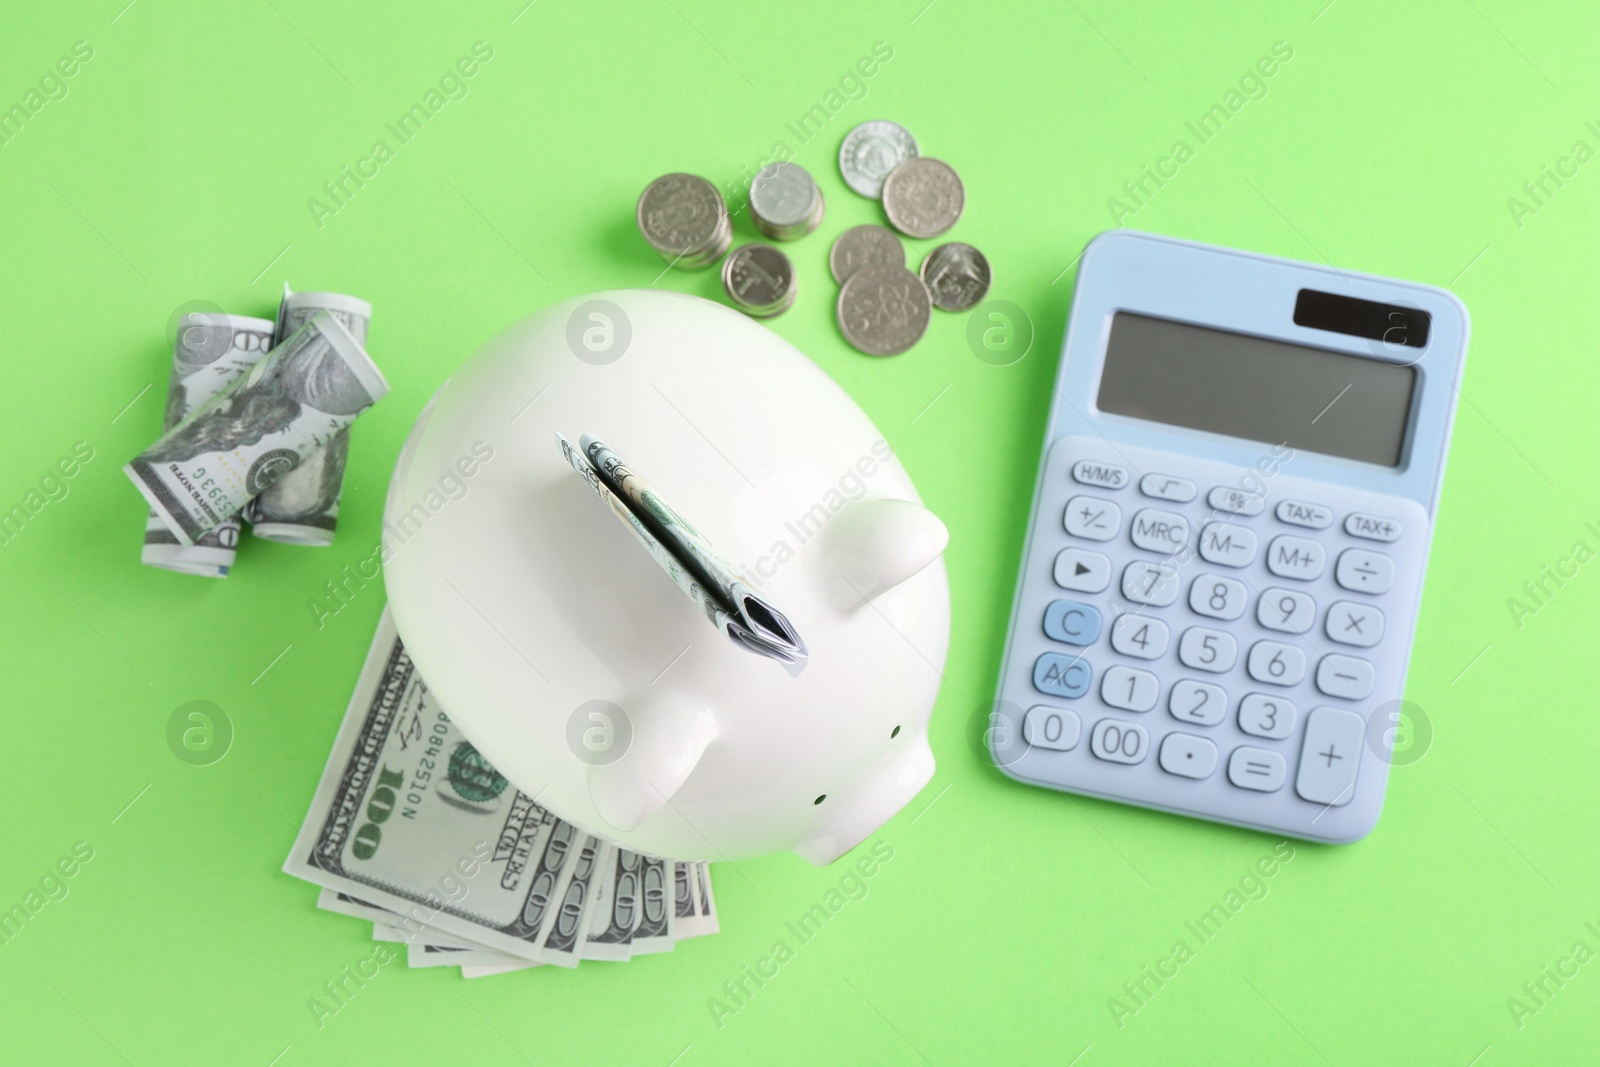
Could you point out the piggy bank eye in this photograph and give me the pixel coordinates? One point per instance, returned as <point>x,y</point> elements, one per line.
<point>894,733</point>
<point>820,799</point>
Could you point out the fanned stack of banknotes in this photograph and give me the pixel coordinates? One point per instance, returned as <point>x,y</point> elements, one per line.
<point>414,831</point>
<point>256,428</point>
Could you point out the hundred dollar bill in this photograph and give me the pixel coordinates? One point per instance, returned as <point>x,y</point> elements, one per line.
<point>386,925</point>
<point>402,782</point>
<point>209,350</point>
<point>610,931</point>
<point>564,943</point>
<point>409,816</point>
<point>706,903</point>
<point>388,931</point>
<point>302,507</point>
<point>711,582</point>
<point>431,955</point>
<point>685,909</point>
<point>297,397</point>
<point>700,884</point>
<point>565,938</point>
<point>656,930</point>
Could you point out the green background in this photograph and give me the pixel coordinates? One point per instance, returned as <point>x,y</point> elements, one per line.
<point>179,168</point>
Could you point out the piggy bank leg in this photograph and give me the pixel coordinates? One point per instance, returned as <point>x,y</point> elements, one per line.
<point>846,818</point>
<point>670,732</point>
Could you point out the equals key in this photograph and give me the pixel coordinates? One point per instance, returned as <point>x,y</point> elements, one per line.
<point>1256,769</point>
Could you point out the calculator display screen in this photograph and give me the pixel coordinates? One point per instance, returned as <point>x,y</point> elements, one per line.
<point>1261,390</point>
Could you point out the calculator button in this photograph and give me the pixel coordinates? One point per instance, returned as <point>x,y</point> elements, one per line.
<point>1354,624</point>
<point>1205,649</point>
<point>1101,475</point>
<point>1227,544</point>
<point>1300,513</point>
<point>1155,530</point>
<point>1129,689</point>
<point>1361,571</point>
<point>1267,716</point>
<point>1089,517</point>
<point>1188,756</point>
<point>1286,610</point>
<point>1200,702</point>
<point>1276,663</point>
<point>1218,597</point>
<point>1055,728</point>
<point>1119,742</point>
<point>1166,487</point>
<point>1071,622</point>
<point>1330,756</point>
<point>1140,637</point>
<point>1236,501</point>
<point>1082,571</point>
<point>1061,676</point>
<point>1155,584</point>
<point>1372,527</point>
<point>1346,677</point>
<point>1256,768</point>
<point>1296,557</point>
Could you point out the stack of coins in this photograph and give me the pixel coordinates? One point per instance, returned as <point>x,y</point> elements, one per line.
<point>785,202</point>
<point>686,220</point>
<point>760,280</point>
<point>883,308</point>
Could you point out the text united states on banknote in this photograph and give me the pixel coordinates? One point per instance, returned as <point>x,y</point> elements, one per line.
<point>413,829</point>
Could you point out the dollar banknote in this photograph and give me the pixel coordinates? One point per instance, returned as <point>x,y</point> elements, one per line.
<point>655,932</point>
<point>209,351</point>
<point>712,583</point>
<point>412,829</point>
<point>302,507</point>
<point>229,449</point>
<point>610,931</point>
<point>620,908</point>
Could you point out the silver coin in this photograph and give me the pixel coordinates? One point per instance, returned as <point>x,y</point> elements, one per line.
<point>864,246</point>
<point>883,310</point>
<point>957,276</point>
<point>923,197</point>
<point>870,152</point>
<point>759,279</point>
<point>685,219</point>
<point>784,201</point>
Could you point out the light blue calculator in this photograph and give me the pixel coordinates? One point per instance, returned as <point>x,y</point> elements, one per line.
<point>1230,529</point>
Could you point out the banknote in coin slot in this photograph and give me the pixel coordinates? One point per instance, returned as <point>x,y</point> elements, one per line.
<point>717,588</point>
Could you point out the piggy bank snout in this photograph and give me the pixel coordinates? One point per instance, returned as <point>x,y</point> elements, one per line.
<point>872,546</point>
<point>858,810</point>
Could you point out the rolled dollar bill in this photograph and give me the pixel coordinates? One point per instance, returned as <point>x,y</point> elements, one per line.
<point>302,507</point>
<point>231,448</point>
<point>209,351</point>
<point>713,584</point>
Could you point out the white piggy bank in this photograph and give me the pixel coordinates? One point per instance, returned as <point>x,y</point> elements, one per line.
<point>569,658</point>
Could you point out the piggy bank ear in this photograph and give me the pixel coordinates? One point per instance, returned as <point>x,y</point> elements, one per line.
<point>670,733</point>
<point>872,546</point>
